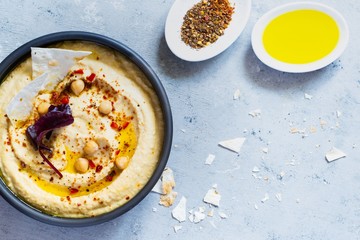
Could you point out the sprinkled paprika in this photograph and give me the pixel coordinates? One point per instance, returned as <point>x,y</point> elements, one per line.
<point>125,125</point>
<point>91,77</point>
<point>98,168</point>
<point>73,190</point>
<point>91,164</point>
<point>114,125</point>
<point>65,99</point>
<point>79,71</point>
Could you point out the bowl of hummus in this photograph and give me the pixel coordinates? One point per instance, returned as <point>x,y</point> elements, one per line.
<point>85,127</point>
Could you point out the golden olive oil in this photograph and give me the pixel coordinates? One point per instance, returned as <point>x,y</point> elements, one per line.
<point>127,139</point>
<point>301,36</point>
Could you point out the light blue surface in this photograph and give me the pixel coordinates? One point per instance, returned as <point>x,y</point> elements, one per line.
<point>320,200</point>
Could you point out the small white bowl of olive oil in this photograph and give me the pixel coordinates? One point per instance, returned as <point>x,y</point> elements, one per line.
<point>300,37</point>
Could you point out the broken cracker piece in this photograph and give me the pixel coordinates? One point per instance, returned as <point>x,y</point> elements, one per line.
<point>211,213</point>
<point>278,197</point>
<point>334,154</point>
<point>265,150</point>
<point>158,187</point>
<point>308,96</point>
<point>266,197</point>
<point>236,94</point>
<point>46,75</point>
<point>213,197</point>
<point>168,199</point>
<point>198,216</point>
<point>177,228</point>
<point>209,160</point>
<point>223,215</point>
<point>255,113</point>
<point>179,212</point>
<point>233,144</point>
<point>168,182</point>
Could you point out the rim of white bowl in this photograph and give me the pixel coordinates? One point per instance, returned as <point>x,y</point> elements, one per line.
<point>174,22</point>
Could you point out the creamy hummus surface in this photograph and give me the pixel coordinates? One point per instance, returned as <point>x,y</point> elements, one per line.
<point>126,140</point>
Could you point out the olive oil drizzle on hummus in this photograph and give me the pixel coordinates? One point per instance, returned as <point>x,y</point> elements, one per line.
<point>127,144</point>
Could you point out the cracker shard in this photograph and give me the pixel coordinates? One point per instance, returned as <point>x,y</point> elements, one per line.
<point>179,212</point>
<point>49,66</point>
<point>334,154</point>
<point>158,187</point>
<point>168,199</point>
<point>233,144</point>
<point>209,160</point>
<point>168,181</point>
<point>213,197</point>
<point>54,60</point>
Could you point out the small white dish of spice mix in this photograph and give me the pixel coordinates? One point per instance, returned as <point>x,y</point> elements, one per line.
<point>197,30</point>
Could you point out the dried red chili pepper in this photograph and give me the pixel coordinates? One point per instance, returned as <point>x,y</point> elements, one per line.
<point>110,177</point>
<point>98,168</point>
<point>73,190</point>
<point>91,164</point>
<point>65,99</point>
<point>125,125</point>
<point>91,77</point>
<point>114,125</point>
<point>79,71</point>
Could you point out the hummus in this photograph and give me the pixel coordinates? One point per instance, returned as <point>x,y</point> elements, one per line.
<point>133,130</point>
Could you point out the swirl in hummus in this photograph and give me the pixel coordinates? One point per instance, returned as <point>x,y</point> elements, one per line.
<point>105,156</point>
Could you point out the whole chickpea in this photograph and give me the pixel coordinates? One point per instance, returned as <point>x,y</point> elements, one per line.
<point>43,108</point>
<point>105,107</point>
<point>122,162</point>
<point>91,147</point>
<point>81,165</point>
<point>77,86</point>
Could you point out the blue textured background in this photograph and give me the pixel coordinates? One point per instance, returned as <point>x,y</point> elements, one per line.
<point>320,200</point>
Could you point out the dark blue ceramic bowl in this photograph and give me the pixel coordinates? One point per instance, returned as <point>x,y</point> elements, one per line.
<point>21,54</point>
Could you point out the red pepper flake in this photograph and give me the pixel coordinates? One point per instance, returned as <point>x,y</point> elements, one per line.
<point>98,168</point>
<point>54,96</point>
<point>79,71</point>
<point>127,198</point>
<point>68,198</point>
<point>91,77</point>
<point>73,190</point>
<point>114,125</point>
<point>125,125</point>
<point>117,152</point>
<point>110,177</point>
<point>65,99</point>
<point>91,164</point>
